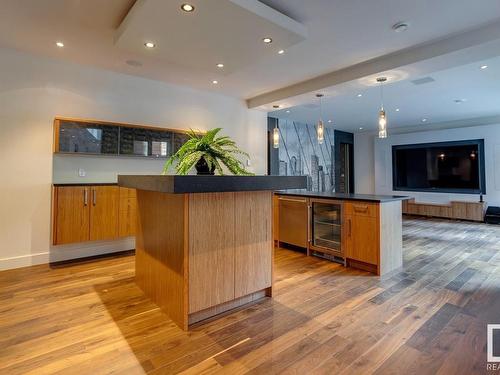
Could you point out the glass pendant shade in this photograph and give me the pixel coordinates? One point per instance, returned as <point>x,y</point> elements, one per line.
<point>382,118</point>
<point>382,124</point>
<point>321,132</point>
<point>276,137</point>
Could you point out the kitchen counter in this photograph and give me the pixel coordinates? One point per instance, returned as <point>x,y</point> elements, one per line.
<point>209,184</point>
<point>342,196</point>
<point>204,243</point>
<point>359,230</point>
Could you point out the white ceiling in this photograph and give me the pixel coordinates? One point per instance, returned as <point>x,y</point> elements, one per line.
<point>340,33</point>
<point>434,101</point>
<point>200,39</point>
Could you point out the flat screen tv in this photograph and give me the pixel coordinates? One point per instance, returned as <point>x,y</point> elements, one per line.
<point>447,167</point>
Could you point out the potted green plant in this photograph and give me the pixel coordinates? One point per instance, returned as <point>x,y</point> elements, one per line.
<point>208,153</point>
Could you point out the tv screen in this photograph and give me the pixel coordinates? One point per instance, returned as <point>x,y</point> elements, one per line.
<point>452,167</point>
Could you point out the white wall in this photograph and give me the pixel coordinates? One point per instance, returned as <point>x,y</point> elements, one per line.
<point>34,90</point>
<point>380,156</point>
<point>364,167</point>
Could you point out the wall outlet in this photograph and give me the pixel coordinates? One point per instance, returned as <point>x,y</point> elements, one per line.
<point>81,172</point>
<point>249,163</point>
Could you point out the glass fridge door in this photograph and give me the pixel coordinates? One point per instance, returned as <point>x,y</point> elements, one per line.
<point>327,226</point>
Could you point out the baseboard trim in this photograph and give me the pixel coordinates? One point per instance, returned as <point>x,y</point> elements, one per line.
<point>68,252</point>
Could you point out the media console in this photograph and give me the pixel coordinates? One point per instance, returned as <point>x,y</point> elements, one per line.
<point>473,211</point>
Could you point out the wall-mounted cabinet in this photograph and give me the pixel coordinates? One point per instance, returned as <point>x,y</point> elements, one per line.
<point>92,213</point>
<point>102,138</point>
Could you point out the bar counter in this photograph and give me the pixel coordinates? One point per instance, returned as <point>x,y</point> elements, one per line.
<point>204,243</point>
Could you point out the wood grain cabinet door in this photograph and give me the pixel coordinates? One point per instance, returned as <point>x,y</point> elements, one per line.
<point>365,240</point>
<point>253,243</point>
<point>104,204</point>
<point>71,214</point>
<point>128,212</point>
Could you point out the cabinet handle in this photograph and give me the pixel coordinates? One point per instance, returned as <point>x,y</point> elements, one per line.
<point>360,208</point>
<point>292,200</point>
<point>85,197</point>
<point>350,228</point>
<point>94,197</point>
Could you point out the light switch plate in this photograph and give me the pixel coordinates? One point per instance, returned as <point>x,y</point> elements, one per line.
<point>81,172</point>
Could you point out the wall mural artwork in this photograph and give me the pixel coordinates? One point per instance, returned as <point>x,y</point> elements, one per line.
<point>301,154</point>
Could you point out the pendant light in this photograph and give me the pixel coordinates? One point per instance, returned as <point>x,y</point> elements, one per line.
<point>382,117</point>
<point>320,127</point>
<point>276,136</point>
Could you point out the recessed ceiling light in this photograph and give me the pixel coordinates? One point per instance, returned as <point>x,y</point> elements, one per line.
<point>360,128</point>
<point>287,111</point>
<point>60,44</point>
<point>400,27</point>
<point>220,65</point>
<point>149,45</point>
<point>267,40</point>
<point>397,109</point>
<point>281,51</point>
<point>187,8</point>
<point>424,120</point>
<point>360,95</point>
<point>329,121</point>
<point>215,82</point>
<point>484,67</point>
<point>459,101</point>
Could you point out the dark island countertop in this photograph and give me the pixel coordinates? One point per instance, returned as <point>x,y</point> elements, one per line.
<point>210,184</point>
<point>342,196</point>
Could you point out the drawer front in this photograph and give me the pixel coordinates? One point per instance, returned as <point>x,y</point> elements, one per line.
<point>361,209</point>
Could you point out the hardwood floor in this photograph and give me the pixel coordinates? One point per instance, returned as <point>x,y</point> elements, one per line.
<point>430,318</point>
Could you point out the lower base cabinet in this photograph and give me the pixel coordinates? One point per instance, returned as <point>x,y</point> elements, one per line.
<point>92,213</point>
<point>104,210</point>
<point>362,240</point>
<point>241,253</point>
<point>71,215</point>
<point>364,235</point>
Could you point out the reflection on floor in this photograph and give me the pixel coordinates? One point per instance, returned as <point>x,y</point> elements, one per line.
<point>430,318</point>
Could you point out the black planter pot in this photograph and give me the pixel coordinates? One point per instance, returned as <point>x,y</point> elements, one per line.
<point>202,167</point>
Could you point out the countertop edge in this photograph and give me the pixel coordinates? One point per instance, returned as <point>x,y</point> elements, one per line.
<point>193,184</point>
<point>375,198</point>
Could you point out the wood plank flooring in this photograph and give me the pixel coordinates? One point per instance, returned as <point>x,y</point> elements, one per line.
<point>430,318</point>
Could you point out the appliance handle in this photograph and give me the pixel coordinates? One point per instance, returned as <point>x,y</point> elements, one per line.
<point>94,197</point>
<point>85,196</point>
<point>292,200</point>
<point>309,223</point>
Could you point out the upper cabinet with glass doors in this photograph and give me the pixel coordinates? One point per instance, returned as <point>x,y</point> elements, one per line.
<point>102,138</point>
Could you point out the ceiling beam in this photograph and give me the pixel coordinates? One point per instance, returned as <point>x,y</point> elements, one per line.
<point>412,55</point>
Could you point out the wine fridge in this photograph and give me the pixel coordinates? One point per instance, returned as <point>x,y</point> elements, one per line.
<point>326,229</point>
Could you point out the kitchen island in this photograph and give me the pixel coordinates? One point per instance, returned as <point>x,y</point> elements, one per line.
<point>359,230</point>
<point>204,243</point>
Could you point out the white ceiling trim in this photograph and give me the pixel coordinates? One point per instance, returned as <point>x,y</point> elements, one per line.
<point>412,55</point>
<point>431,126</point>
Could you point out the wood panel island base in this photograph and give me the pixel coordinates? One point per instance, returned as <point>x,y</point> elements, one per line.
<point>361,231</point>
<point>204,243</point>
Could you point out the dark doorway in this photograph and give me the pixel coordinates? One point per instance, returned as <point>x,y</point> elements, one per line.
<point>344,162</point>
